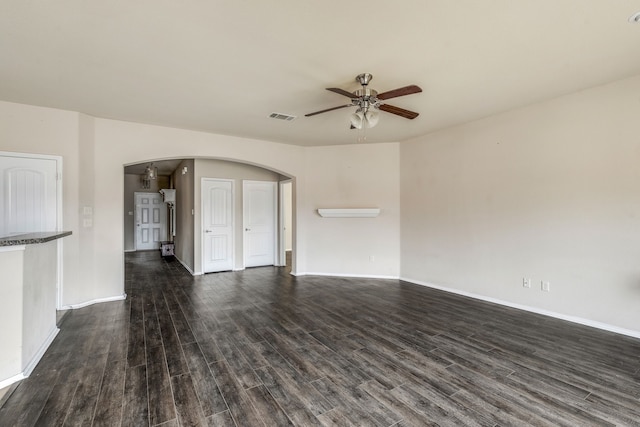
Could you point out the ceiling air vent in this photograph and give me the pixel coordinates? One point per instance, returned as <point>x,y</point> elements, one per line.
<point>281,116</point>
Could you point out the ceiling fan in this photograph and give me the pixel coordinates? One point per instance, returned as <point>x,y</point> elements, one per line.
<point>368,101</point>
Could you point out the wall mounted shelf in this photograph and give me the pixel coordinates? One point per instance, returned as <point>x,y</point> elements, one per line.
<point>349,213</point>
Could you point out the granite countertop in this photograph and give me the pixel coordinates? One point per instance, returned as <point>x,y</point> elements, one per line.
<point>32,238</point>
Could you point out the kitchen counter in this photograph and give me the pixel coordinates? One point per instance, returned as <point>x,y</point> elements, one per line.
<point>32,238</point>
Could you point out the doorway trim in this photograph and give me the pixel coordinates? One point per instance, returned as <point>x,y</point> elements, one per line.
<point>282,233</point>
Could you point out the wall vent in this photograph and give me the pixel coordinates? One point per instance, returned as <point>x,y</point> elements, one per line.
<point>281,116</point>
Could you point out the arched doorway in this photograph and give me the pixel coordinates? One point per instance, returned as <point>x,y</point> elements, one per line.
<point>185,175</point>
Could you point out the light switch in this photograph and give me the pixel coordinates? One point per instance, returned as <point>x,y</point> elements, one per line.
<point>87,210</point>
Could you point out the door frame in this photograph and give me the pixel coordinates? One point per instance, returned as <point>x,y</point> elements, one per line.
<point>233,221</point>
<point>59,223</point>
<point>281,237</point>
<point>135,219</point>
<point>276,197</point>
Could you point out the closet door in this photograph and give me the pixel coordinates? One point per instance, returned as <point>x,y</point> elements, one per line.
<point>259,217</point>
<point>28,192</point>
<point>217,225</point>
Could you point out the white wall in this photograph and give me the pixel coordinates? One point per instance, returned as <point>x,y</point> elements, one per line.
<point>353,176</point>
<point>36,130</point>
<point>550,192</point>
<point>184,211</point>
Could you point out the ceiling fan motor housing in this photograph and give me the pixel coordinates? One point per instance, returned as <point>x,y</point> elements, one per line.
<point>365,97</point>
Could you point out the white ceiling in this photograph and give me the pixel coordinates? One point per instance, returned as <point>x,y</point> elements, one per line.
<point>223,66</point>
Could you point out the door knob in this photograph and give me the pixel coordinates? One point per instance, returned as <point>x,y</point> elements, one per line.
<point>247,229</point>
<point>207,231</point>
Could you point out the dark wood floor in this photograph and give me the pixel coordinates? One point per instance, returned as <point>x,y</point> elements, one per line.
<point>260,347</point>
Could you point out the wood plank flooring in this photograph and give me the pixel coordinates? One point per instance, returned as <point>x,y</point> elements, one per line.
<point>263,348</point>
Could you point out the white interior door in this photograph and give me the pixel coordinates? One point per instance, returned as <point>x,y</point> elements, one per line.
<point>31,199</point>
<point>217,225</point>
<point>151,221</point>
<point>28,192</point>
<point>259,217</point>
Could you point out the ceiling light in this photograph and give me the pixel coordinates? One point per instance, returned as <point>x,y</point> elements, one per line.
<point>356,119</point>
<point>635,18</point>
<point>364,119</point>
<point>150,173</point>
<point>371,118</point>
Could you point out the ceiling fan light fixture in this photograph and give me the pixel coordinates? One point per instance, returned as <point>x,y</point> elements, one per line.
<point>371,118</point>
<point>357,119</point>
<point>364,119</point>
<point>369,101</point>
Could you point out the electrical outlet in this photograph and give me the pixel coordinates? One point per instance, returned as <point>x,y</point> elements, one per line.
<point>526,282</point>
<point>545,286</point>
<point>372,258</point>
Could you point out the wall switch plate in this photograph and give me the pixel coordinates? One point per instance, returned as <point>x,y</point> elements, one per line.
<point>545,286</point>
<point>526,282</point>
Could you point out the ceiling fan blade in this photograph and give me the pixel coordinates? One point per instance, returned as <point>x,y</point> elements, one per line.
<point>328,109</point>
<point>399,111</point>
<point>342,92</point>
<point>407,90</point>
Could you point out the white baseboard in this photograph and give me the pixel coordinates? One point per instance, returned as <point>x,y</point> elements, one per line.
<point>361,276</point>
<point>186,266</point>
<point>94,301</point>
<point>29,367</point>
<point>568,318</point>
<point>129,250</point>
<point>11,380</point>
<point>36,357</point>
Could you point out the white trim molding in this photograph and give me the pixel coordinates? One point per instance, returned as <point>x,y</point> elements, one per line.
<point>186,267</point>
<point>362,276</point>
<point>43,348</point>
<point>349,213</point>
<point>11,380</point>
<point>94,301</point>
<point>568,318</point>
<point>29,367</point>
